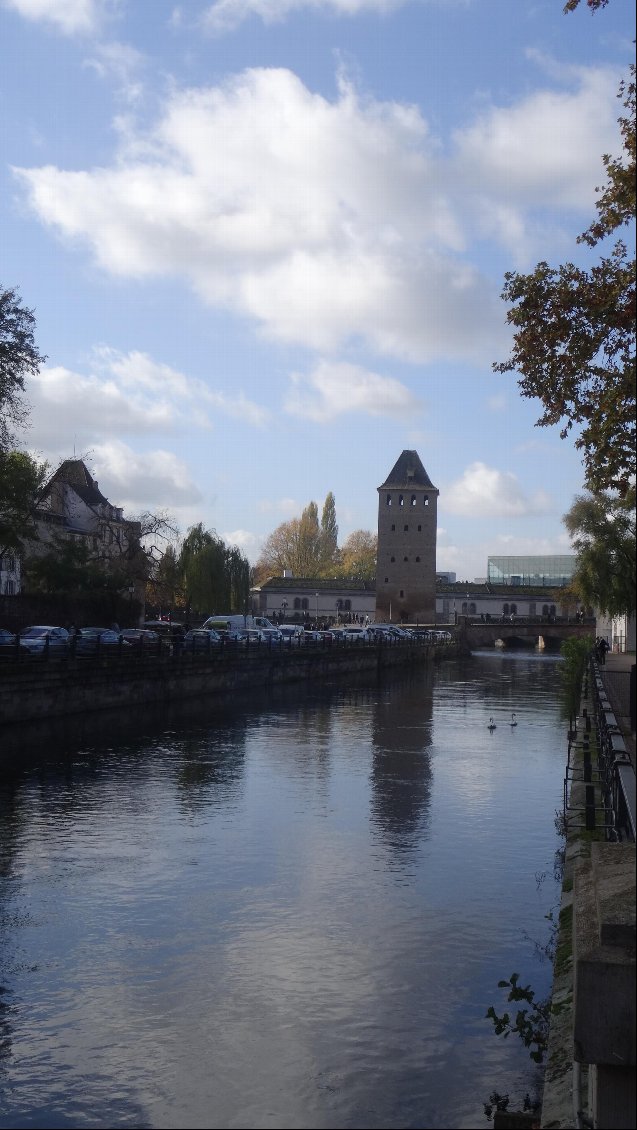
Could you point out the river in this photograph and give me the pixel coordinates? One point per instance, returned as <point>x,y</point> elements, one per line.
<point>285,912</point>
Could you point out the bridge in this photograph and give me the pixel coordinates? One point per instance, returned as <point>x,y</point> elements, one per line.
<point>521,633</point>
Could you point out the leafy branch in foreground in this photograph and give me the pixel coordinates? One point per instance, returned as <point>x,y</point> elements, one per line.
<point>531,1025</point>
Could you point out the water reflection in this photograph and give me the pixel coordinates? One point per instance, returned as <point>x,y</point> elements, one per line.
<point>401,767</point>
<point>250,913</point>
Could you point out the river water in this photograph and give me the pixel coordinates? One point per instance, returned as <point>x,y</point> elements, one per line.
<point>289,912</point>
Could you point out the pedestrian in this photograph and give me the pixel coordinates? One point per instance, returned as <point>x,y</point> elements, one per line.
<point>602,648</point>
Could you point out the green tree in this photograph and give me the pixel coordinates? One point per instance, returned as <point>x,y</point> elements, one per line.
<point>216,577</point>
<point>602,529</point>
<point>574,341</point>
<point>19,357</point>
<point>21,481</point>
<point>66,568</point>
<point>329,535</point>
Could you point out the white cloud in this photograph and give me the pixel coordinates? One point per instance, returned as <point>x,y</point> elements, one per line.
<point>120,62</point>
<point>125,393</point>
<point>68,16</point>
<point>324,221</point>
<point>485,492</point>
<point>140,480</point>
<point>330,222</point>
<point>338,388</point>
<point>224,15</point>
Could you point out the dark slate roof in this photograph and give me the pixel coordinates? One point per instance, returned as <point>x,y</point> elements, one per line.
<point>484,588</point>
<point>76,474</point>
<point>317,584</point>
<point>408,472</point>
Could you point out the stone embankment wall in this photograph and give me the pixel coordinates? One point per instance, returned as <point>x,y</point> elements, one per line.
<point>590,1073</point>
<point>36,690</point>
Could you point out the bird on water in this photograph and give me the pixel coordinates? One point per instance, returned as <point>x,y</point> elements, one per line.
<point>491,725</point>
<point>513,720</point>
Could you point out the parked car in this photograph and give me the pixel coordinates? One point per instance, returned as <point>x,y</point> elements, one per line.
<point>94,641</point>
<point>11,646</point>
<point>248,637</point>
<point>291,632</point>
<point>140,636</point>
<point>41,640</point>
<point>272,636</point>
<point>356,635</point>
<point>201,639</point>
<point>170,629</point>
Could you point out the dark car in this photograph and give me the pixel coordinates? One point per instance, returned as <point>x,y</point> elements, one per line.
<point>10,646</point>
<point>43,640</point>
<point>142,637</point>
<point>201,639</point>
<point>94,641</point>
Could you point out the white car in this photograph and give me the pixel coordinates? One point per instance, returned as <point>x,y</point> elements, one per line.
<point>291,633</point>
<point>356,635</point>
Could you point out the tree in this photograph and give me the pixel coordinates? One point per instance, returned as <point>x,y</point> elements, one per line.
<point>19,357</point>
<point>215,577</point>
<point>296,546</point>
<point>329,535</point>
<point>574,344</point>
<point>358,556</point>
<point>602,529</point>
<point>21,480</point>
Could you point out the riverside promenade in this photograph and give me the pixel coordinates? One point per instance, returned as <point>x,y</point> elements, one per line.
<point>590,1071</point>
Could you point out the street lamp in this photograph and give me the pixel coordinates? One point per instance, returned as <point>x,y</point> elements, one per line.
<point>316,595</point>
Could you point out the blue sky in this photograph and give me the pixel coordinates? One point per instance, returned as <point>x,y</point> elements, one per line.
<point>265,241</point>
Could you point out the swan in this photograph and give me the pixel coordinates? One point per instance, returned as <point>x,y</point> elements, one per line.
<point>513,721</point>
<point>491,725</point>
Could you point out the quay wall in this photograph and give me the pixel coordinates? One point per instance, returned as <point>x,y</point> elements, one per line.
<point>33,691</point>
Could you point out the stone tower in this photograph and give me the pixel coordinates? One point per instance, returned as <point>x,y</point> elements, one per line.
<point>406,563</point>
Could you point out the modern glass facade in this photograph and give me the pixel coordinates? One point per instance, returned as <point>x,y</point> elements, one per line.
<point>553,571</point>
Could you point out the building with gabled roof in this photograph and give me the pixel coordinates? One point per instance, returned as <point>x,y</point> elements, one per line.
<point>406,561</point>
<point>71,506</point>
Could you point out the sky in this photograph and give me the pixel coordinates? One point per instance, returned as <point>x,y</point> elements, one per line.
<point>265,242</point>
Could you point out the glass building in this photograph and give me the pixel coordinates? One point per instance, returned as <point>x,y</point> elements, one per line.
<point>539,572</point>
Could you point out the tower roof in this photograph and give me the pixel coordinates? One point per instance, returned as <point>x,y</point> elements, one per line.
<point>408,472</point>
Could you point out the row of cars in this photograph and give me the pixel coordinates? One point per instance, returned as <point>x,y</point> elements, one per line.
<point>50,641</point>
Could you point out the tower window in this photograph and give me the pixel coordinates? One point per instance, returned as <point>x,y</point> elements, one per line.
<point>426,501</point>
<point>386,580</point>
<point>417,559</point>
<point>402,593</point>
<point>405,528</point>
<point>393,526</point>
<point>420,529</point>
<point>388,500</point>
<point>401,500</point>
<point>405,559</point>
<point>413,500</point>
<point>392,559</point>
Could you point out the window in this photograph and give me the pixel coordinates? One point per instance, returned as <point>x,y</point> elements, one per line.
<point>402,593</point>
<point>405,559</point>
<point>347,605</point>
<point>386,580</point>
<point>545,609</point>
<point>392,559</point>
<point>514,609</point>
<point>532,611</point>
<point>413,500</point>
<point>393,527</point>
<point>472,609</point>
<point>417,559</point>
<point>401,500</point>
<point>388,500</point>
<point>305,604</point>
<point>405,528</point>
<point>425,501</point>
<point>297,602</point>
<point>420,529</point>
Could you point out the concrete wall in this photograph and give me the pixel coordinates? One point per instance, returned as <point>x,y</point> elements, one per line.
<point>38,690</point>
